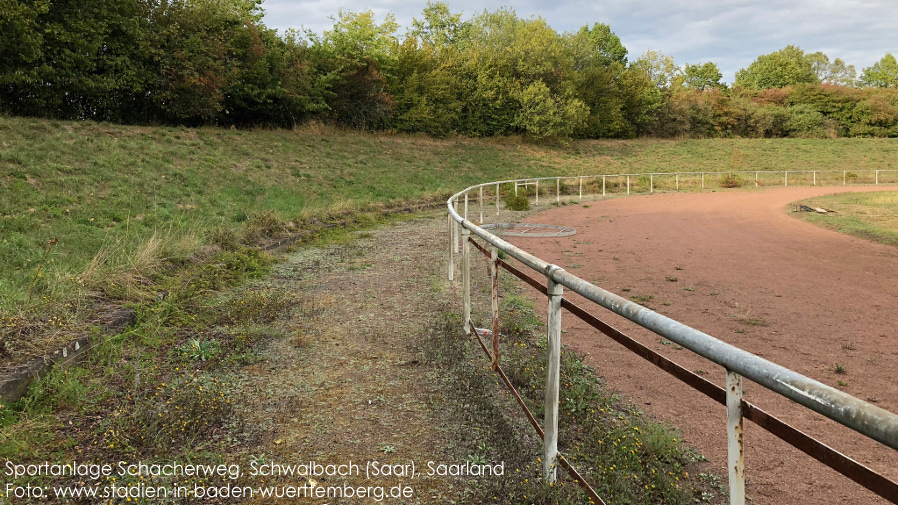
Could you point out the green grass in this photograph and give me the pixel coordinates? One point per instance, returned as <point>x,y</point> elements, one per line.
<point>103,188</point>
<point>872,216</point>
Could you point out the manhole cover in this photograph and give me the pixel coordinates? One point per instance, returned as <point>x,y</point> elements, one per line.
<point>529,230</point>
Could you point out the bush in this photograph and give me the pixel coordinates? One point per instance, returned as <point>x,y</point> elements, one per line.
<point>770,121</point>
<point>731,181</point>
<point>805,122</point>
<point>517,202</point>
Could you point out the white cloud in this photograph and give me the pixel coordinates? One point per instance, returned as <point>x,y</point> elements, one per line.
<point>731,33</point>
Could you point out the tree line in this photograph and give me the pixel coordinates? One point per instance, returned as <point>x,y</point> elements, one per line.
<point>196,62</point>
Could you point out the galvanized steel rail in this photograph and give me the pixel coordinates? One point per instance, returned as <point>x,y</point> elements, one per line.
<point>865,418</point>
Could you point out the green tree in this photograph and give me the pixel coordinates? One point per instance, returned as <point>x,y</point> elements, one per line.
<point>882,74</point>
<point>596,45</point>
<point>274,84</point>
<point>357,36</point>
<point>439,28</point>
<point>357,58</point>
<point>426,91</point>
<point>786,67</point>
<point>501,55</point>
<point>661,68</point>
<point>544,115</point>
<point>832,72</point>
<point>194,54</point>
<point>20,35</point>
<point>599,78</point>
<point>702,76</point>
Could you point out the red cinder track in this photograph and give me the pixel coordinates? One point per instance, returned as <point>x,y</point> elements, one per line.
<point>736,265</point>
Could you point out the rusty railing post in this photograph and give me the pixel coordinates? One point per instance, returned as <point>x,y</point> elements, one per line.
<point>553,370</point>
<point>494,302</point>
<point>466,278</point>
<point>735,452</point>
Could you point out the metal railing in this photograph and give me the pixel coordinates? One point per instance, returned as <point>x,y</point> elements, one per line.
<point>862,417</point>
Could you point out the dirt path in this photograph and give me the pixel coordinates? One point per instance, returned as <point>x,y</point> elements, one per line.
<point>348,386</point>
<point>735,265</point>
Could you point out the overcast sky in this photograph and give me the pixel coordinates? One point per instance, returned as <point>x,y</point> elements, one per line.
<point>731,33</point>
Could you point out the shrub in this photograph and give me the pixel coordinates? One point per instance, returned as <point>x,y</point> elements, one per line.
<point>517,202</point>
<point>805,122</point>
<point>731,181</point>
<point>770,121</point>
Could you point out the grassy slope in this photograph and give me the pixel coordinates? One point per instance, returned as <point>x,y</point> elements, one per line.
<point>92,184</point>
<point>873,216</point>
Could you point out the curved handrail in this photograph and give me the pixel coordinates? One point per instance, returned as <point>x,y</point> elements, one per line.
<point>863,417</point>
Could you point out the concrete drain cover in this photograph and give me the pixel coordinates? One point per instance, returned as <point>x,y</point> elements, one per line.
<point>529,230</point>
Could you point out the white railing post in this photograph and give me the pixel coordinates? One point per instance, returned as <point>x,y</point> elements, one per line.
<point>735,452</point>
<point>703,180</point>
<point>466,279</point>
<point>628,184</point>
<point>537,193</point>
<point>557,190</point>
<point>815,178</point>
<point>877,177</point>
<point>451,250</point>
<point>497,199</point>
<point>651,183</point>
<point>456,234</point>
<point>844,176</point>
<point>481,205</point>
<point>786,179</point>
<point>678,181</point>
<point>756,180</point>
<point>603,185</point>
<point>553,370</point>
<point>494,302</point>
<point>581,188</point>
<point>465,215</point>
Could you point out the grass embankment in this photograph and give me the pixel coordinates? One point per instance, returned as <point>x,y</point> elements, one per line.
<point>89,208</point>
<point>103,190</point>
<point>872,216</point>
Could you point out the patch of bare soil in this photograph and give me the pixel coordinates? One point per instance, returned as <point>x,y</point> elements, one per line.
<point>349,386</point>
<point>734,265</point>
